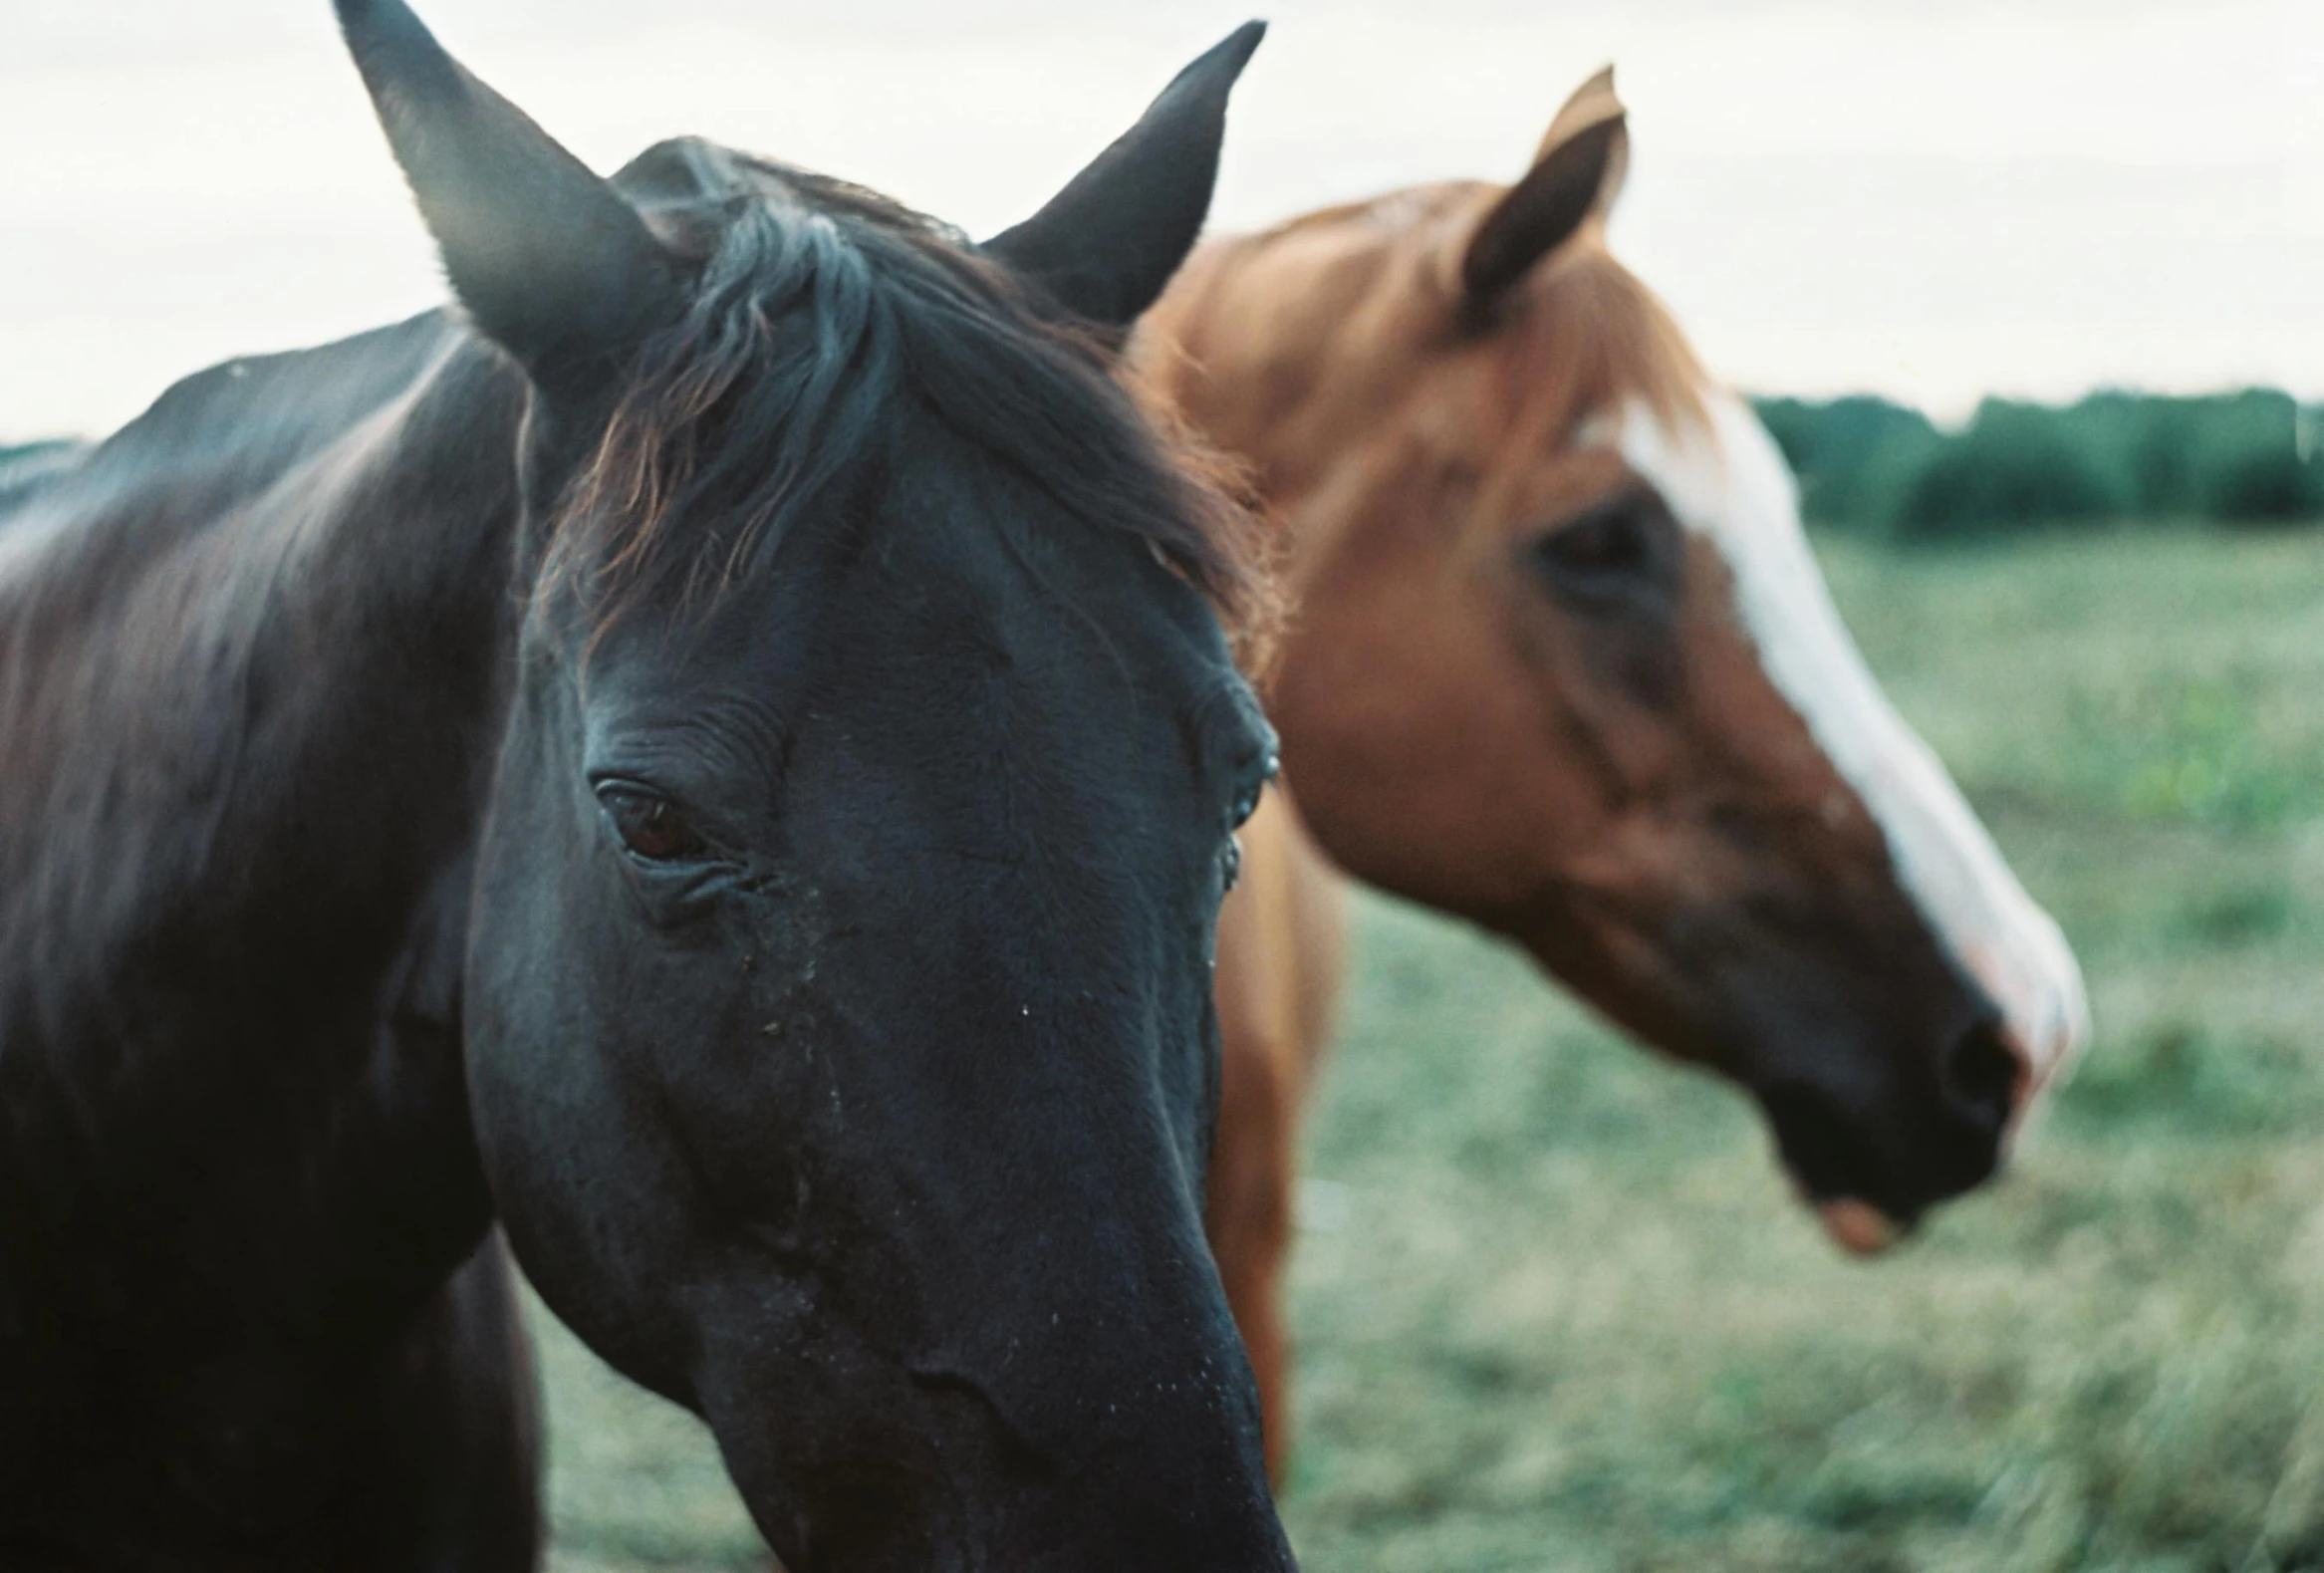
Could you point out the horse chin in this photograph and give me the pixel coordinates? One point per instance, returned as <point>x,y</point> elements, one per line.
<point>1858,1227</point>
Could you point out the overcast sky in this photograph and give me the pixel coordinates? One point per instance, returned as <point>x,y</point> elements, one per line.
<point>1927,199</point>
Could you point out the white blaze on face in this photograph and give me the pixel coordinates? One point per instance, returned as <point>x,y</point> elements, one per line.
<point>1730,484</point>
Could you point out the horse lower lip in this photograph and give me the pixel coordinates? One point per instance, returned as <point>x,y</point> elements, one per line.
<point>1858,1227</point>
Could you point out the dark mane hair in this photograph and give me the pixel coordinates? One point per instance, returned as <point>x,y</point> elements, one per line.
<point>824,320</point>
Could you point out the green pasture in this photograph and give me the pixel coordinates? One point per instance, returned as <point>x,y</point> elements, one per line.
<point>1557,1312</point>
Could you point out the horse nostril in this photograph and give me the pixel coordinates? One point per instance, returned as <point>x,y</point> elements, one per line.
<point>1981,1073</point>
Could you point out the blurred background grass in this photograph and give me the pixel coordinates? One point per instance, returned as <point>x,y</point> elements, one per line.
<point>1557,1312</point>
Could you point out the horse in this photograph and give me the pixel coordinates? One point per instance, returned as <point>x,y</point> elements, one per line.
<point>718,754</point>
<point>1559,662</point>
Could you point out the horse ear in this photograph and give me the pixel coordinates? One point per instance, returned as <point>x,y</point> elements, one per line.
<point>548,260</point>
<point>1106,245</point>
<point>1577,174</point>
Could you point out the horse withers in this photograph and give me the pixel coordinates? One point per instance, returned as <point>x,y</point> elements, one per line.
<point>722,752</point>
<point>1559,662</point>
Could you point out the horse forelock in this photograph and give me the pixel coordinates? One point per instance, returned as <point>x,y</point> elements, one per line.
<point>826,324</point>
<point>1582,341</point>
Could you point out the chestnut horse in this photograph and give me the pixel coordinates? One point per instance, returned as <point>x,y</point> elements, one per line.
<point>1560,662</point>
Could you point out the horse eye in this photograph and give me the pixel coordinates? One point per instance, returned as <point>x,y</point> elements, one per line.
<point>649,824</point>
<point>1607,552</point>
<point>1246,803</point>
<point>1600,542</point>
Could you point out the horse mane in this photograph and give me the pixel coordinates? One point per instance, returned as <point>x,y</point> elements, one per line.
<point>25,470</point>
<point>1578,338</point>
<point>825,322</point>
<point>1582,336</point>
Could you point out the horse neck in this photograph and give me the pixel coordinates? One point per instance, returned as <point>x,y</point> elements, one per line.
<point>1241,347</point>
<point>244,637</point>
<point>251,653</point>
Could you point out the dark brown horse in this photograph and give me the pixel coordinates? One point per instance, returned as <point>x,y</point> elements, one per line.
<point>718,752</point>
<point>1560,662</point>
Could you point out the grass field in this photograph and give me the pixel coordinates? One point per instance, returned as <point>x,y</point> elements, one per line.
<point>1556,1310</point>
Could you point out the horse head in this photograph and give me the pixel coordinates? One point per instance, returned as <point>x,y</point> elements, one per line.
<point>1562,663</point>
<point>837,1002</point>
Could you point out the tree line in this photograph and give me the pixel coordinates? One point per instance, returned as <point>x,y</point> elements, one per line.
<point>1867,464</point>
